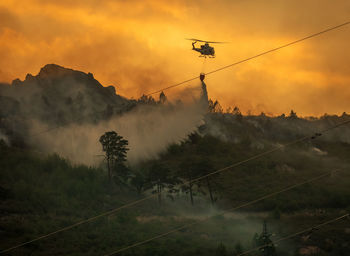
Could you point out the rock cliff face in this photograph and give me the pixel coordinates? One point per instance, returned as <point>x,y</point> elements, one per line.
<point>57,94</point>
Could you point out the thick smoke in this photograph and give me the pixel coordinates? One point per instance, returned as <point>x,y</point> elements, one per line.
<point>148,128</point>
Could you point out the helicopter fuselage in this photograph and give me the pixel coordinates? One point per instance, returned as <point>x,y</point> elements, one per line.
<point>205,50</point>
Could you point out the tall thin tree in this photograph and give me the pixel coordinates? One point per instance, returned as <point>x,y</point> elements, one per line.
<point>115,148</point>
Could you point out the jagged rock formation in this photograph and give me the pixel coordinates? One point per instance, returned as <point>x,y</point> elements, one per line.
<point>57,94</point>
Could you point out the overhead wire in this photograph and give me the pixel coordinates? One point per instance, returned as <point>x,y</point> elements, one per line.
<point>223,212</point>
<point>216,70</point>
<point>185,183</point>
<point>255,56</point>
<point>317,134</point>
<point>207,175</point>
<point>295,234</point>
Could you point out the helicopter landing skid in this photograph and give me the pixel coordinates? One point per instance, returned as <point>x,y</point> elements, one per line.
<point>205,56</point>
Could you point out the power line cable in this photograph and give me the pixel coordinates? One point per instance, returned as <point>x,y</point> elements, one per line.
<point>216,70</point>
<point>295,234</point>
<point>317,134</point>
<point>255,56</point>
<point>225,211</point>
<point>186,183</point>
<point>207,175</point>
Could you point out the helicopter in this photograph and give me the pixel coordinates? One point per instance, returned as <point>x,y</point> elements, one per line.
<point>205,50</point>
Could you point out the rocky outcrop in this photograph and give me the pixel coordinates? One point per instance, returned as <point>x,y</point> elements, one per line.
<point>57,94</point>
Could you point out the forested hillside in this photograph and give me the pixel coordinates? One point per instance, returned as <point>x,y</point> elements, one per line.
<point>225,162</point>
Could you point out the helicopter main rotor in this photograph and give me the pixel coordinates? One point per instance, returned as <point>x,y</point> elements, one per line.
<point>199,40</point>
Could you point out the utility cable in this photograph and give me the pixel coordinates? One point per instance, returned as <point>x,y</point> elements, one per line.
<point>223,212</point>
<point>295,234</point>
<point>255,56</point>
<point>207,175</point>
<point>219,69</point>
<point>186,183</point>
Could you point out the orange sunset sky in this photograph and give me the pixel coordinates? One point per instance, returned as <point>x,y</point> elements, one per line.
<point>139,47</point>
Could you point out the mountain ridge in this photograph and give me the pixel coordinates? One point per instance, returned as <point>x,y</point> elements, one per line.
<point>59,90</point>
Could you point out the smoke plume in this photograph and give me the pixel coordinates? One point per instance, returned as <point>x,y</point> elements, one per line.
<point>148,128</point>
